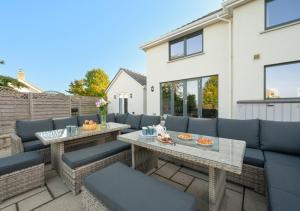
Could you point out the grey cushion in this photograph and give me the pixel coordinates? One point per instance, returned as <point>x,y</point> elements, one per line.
<point>122,188</point>
<point>280,136</point>
<point>203,126</point>
<point>121,118</point>
<point>94,117</point>
<point>128,130</point>
<point>280,200</point>
<point>62,123</point>
<point>177,123</point>
<point>149,120</point>
<point>26,129</point>
<point>247,130</point>
<point>110,117</point>
<point>88,155</point>
<point>19,161</point>
<point>282,159</point>
<point>34,145</point>
<point>254,157</point>
<point>134,121</point>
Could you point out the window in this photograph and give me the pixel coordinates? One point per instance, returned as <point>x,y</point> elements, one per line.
<point>282,80</point>
<point>185,46</point>
<point>193,97</point>
<point>279,12</point>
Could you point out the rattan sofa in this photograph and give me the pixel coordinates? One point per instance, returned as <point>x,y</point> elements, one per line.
<point>20,173</point>
<point>78,164</point>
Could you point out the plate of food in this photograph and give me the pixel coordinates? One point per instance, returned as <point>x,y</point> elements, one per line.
<point>89,125</point>
<point>165,138</point>
<point>185,136</point>
<point>204,141</point>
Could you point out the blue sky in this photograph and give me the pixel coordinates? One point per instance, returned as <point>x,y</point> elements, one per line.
<point>57,41</point>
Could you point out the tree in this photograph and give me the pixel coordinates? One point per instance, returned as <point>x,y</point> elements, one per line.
<point>210,93</point>
<point>94,84</point>
<point>9,82</point>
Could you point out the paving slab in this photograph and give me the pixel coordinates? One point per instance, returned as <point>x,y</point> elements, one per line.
<point>164,180</point>
<point>167,170</point>
<point>67,202</point>
<point>56,186</point>
<point>254,201</point>
<point>235,187</point>
<point>182,178</point>
<point>34,201</point>
<point>23,196</point>
<point>194,173</point>
<point>161,163</point>
<point>12,207</point>
<point>199,188</point>
<point>232,201</point>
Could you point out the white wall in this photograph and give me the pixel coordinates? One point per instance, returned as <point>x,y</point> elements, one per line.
<point>281,45</point>
<point>213,61</point>
<point>125,84</point>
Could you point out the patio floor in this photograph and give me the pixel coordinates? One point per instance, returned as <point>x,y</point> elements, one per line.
<point>56,197</point>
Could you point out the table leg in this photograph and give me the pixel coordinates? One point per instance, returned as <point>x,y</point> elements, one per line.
<point>143,159</point>
<point>133,156</point>
<point>217,183</point>
<point>57,150</point>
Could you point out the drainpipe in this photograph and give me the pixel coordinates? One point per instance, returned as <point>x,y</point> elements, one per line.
<point>229,62</point>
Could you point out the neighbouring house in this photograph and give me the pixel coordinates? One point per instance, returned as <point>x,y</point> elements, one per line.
<point>127,92</point>
<point>241,61</point>
<point>28,87</point>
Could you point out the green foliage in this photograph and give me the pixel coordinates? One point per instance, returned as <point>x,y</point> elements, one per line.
<point>210,93</point>
<point>9,81</point>
<point>94,84</point>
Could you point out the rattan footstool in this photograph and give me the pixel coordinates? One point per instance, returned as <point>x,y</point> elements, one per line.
<point>20,173</point>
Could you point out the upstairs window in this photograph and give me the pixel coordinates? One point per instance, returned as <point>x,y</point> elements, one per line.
<point>282,80</point>
<point>186,46</point>
<point>279,12</point>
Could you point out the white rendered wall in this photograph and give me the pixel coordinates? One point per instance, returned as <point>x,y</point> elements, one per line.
<point>277,46</point>
<point>214,61</point>
<point>126,85</point>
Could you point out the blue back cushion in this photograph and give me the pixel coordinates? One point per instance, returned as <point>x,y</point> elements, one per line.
<point>177,123</point>
<point>134,121</point>
<point>281,137</point>
<point>26,129</point>
<point>110,117</point>
<point>203,126</point>
<point>247,130</point>
<point>121,118</point>
<point>149,120</point>
<point>94,117</point>
<point>62,123</point>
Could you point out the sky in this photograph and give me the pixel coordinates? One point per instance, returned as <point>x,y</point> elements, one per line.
<point>58,41</point>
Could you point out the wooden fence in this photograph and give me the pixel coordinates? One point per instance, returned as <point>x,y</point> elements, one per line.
<point>16,106</point>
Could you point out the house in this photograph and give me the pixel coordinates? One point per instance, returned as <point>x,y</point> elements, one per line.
<point>28,87</point>
<point>241,61</point>
<point>127,92</point>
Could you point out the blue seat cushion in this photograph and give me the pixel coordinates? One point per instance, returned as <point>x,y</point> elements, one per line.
<point>128,130</point>
<point>282,159</point>
<point>246,130</point>
<point>19,162</point>
<point>133,120</point>
<point>202,126</point>
<point>121,118</point>
<point>26,129</point>
<point>149,120</point>
<point>94,117</point>
<point>34,145</point>
<point>254,157</point>
<point>280,200</point>
<point>88,155</point>
<point>280,136</point>
<point>120,187</point>
<point>177,123</point>
<point>62,123</point>
<point>110,117</point>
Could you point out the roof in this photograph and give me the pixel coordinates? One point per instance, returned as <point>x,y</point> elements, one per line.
<point>138,77</point>
<point>31,87</point>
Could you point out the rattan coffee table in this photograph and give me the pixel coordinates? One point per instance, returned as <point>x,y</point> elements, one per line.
<point>62,141</point>
<point>225,155</point>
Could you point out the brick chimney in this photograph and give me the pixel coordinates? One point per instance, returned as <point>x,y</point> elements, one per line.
<point>21,75</point>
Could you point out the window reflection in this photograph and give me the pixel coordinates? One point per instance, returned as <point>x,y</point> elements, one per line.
<point>210,97</point>
<point>178,98</point>
<point>177,50</point>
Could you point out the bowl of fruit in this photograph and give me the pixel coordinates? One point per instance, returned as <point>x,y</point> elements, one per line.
<point>89,125</point>
<point>204,141</point>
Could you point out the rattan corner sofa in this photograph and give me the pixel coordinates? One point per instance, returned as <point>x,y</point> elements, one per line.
<point>20,173</point>
<point>272,156</point>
